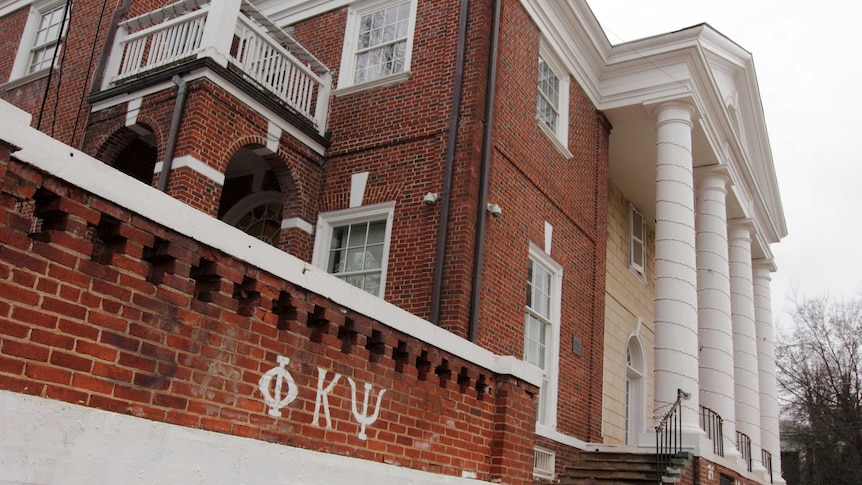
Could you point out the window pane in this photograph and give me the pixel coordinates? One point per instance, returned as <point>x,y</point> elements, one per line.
<point>376,232</point>
<point>637,225</point>
<point>336,262</point>
<point>357,235</point>
<point>374,257</point>
<point>339,236</point>
<point>355,280</point>
<point>638,253</point>
<point>372,284</point>
<point>354,260</point>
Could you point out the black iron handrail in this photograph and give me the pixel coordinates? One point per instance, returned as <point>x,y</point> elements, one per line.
<point>743,444</point>
<point>767,463</point>
<point>713,424</point>
<point>668,435</point>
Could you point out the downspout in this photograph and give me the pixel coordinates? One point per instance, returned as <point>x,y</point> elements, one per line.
<point>102,61</point>
<point>179,107</point>
<point>454,117</point>
<point>482,215</point>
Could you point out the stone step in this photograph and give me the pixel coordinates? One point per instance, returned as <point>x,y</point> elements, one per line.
<point>620,468</point>
<point>565,480</point>
<point>615,465</point>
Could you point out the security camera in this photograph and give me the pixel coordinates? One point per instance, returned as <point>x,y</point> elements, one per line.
<point>430,198</point>
<point>495,210</point>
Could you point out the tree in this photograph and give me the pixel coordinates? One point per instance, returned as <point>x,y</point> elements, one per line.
<point>820,363</point>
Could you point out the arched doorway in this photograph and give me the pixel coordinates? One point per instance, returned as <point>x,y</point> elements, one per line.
<point>253,198</point>
<point>131,150</point>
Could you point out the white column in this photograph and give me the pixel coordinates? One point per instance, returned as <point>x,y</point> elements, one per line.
<point>746,371</point>
<point>769,437</point>
<point>676,365</point>
<point>715,327</point>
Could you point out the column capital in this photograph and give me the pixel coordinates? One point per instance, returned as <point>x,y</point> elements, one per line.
<point>672,110</point>
<point>713,176</point>
<point>735,228</point>
<point>764,266</point>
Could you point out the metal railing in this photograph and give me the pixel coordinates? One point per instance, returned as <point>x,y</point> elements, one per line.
<point>264,54</point>
<point>713,424</point>
<point>767,463</point>
<point>743,444</point>
<point>668,435</point>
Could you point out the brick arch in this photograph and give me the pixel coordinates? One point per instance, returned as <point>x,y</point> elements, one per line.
<point>128,150</point>
<point>290,180</point>
<point>243,189</point>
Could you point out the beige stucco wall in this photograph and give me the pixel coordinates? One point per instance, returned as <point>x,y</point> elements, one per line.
<point>628,298</point>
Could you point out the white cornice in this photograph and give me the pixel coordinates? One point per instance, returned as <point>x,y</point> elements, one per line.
<point>572,32</point>
<point>288,13</point>
<point>668,66</point>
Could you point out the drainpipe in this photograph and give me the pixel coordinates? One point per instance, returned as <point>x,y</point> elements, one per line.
<point>179,107</point>
<point>454,117</point>
<point>482,215</point>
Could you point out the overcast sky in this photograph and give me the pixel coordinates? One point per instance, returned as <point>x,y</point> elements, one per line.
<point>809,71</point>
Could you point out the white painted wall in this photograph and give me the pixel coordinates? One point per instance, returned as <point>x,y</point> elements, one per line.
<point>50,442</point>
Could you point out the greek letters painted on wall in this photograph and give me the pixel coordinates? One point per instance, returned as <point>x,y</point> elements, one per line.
<point>272,385</point>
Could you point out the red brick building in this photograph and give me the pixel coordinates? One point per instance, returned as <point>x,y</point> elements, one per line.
<point>370,235</point>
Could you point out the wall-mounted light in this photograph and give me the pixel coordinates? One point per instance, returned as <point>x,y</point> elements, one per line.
<point>431,198</point>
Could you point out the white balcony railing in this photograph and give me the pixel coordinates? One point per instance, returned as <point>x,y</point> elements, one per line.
<point>263,53</point>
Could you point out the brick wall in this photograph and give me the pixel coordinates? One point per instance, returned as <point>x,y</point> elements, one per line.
<point>706,472</point>
<point>398,134</point>
<point>13,28</point>
<point>535,183</point>
<point>106,309</point>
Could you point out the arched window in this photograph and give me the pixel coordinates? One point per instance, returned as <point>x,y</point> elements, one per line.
<point>258,215</point>
<point>634,390</point>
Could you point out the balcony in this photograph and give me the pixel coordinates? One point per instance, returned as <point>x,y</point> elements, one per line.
<point>259,51</point>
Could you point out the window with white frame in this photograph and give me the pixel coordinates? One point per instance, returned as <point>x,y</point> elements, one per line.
<point>353,245</point>
<point>552,98</point>
<point>378,43</point>
<point>637,238</point>
<point>542,328</point>
<point>42,35</point>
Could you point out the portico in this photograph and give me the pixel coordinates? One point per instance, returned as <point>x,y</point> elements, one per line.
<point>690,153</point>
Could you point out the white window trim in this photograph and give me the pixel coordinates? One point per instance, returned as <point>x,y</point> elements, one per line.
<point>544,259</point>
<point>348,57</point>
<point>22,57</point>
<point>560,136</point>
<point>327,221</point>
<point>638,270</point>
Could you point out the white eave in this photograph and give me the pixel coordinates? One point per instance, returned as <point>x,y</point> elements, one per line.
<point>622,80</point>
